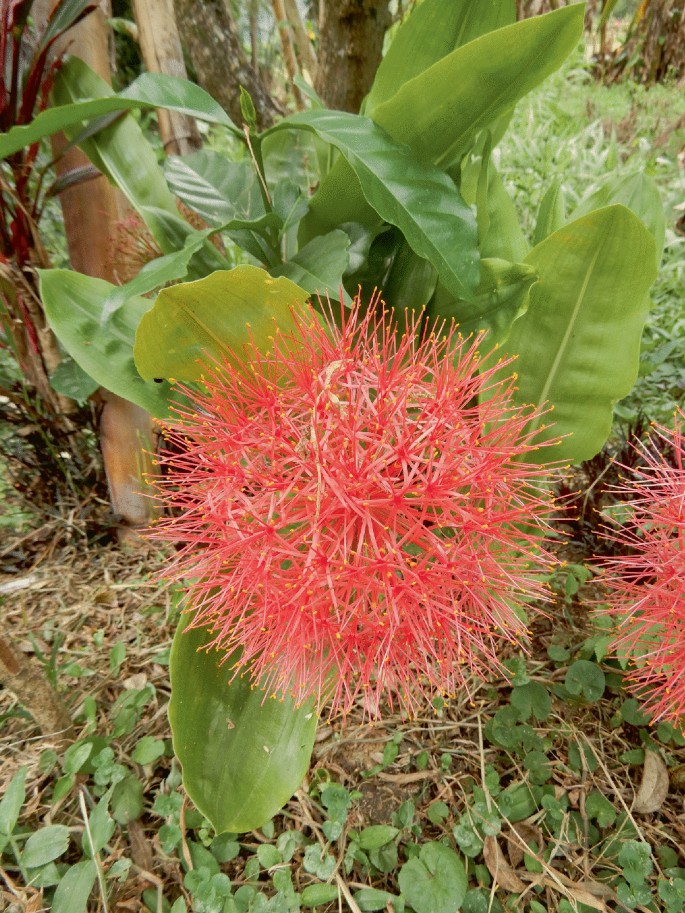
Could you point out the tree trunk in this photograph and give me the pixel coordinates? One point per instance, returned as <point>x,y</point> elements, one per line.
<point>655,47</point>
<point>303,45</point>
<point>288,50</point>
<point>351,36</point>
<point>161,48</point>
<point>210,35</point>
<point>91,211</point>
<point>663,49</point>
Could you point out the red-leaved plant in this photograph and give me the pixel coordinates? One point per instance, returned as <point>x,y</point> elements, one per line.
<point>353,511</point>
<point>646,582</point>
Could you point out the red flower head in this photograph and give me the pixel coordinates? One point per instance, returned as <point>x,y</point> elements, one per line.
<point>352,517</point>
<point>646,586</point>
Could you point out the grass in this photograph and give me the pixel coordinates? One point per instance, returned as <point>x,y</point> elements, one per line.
<point>551,792</point>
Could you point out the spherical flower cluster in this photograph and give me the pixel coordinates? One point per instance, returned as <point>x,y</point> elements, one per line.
<point>646,584</point>
<point>354,511</point>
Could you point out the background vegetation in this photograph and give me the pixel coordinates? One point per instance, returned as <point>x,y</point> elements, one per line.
<point>549,793</point>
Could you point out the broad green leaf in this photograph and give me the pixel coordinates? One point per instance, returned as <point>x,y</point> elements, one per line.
<point>73,891</point>
<point>552,212</point>
<point>291,155</point>
<point>100,827</point>
<point>122,153</point>
<point>418,199</point>
<point>157,272</point>
<point>440,112</point>
<point>243,753</point>
<point>199,322</point>
<point>148,750</point>
<point>45,845</point>
<point>502,296</point>
<point>174,235</point>
<point>127,800</point>
<point>435,882</point>
<point>585,679</point>
<point>150,90</point>
<point>376,836</point>
<point>410,282</point>
<point>601,809</point>
<point>63,15</point>
<point>85,333</point>
<point>103,349</point>
<point>372,899</point>
<point>531,699</point>
<point>578,344</point>
<point>71,380</point>
<point>637,192</point>
<point>431,31</point>
<point>215,187</point>
<point>315,895</point>
<point>10,805</point>
<point>500,235</point>
<point>318,267</point>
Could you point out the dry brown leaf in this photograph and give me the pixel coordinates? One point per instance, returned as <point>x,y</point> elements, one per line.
<point>654,786</point>
<point>499,868</point>
<point>578,894</point>
<point>135,682</point>
<point>677,777</point>
<point>141,851</point>
<point>597,889</point>
<point>529,836</point>
<point>35,904</point>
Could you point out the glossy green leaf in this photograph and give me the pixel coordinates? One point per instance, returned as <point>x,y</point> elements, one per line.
<point>103,349</point>
<point>431,31</point>
<point>440,112</point>
<point>157,272</point>
<point>215,187</point>
<point>552,212</point>
<point>86,336</point>
<point>150,90</point>
<point>637,192</point>
<point>420,200</point>
<point>203,321</point>
<point>174,236</point>
<point>500,235</point>
<point>318,267</point>
<point>243,753</point>
<point>292,155</point>
<point>122,152</point>
<point>73,891</point>
<point>578,344</point>
<point>502,296</point>
<point>410,282</point>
